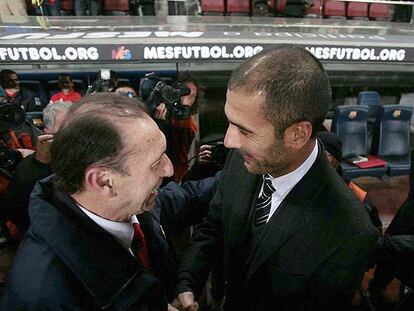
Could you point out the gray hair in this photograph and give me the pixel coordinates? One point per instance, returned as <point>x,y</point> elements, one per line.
<point>51,110</point>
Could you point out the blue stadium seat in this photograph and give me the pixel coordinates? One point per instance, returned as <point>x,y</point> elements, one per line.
<point>350,123</point>
<point>393,138</point>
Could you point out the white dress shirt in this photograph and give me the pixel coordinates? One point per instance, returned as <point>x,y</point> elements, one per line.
<point>283,184</point>
<point>121,231</point>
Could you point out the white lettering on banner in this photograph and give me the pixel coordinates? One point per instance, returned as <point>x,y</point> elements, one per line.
<point>200,52</point>
<point>167,34</point>
<point>363,54</point>
<point>48,54</point>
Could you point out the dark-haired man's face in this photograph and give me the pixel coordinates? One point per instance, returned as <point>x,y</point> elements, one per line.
<point>66,84</point>
<point>11,82</point>
<point>253,136</point>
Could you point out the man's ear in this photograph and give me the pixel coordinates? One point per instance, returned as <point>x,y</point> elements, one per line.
<point>298,135</point>
<point>100,179</point>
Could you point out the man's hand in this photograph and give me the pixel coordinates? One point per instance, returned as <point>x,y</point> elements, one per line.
<point>171,308</point>
<point>160,112</point>
<point>204,155</point>
<point>43,148</point>
<point>185,302</point>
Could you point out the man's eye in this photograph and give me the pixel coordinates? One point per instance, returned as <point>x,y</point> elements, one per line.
<point>243,132</point>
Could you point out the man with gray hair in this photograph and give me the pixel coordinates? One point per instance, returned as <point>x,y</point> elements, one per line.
<point>53,116</point>
<point>34,167</point>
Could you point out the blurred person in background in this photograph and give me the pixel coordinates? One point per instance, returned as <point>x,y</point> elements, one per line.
<point>67,91</point>
<point>34,167</point>
<point>17,94</point>
<point>93,7</point>
<point>180,133</point>
<point>12,8</point>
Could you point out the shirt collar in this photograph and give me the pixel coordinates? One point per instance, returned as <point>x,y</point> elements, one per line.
<point>121,231</point>
<point>283,184</point>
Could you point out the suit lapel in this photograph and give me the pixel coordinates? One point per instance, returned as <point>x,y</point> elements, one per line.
<point>288,218</point>
<point>243,197</point>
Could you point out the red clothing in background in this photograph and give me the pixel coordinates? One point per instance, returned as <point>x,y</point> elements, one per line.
<point>72,96</point>
<point>183,133</point>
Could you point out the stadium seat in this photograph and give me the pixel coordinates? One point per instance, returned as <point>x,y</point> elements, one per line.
<point>66,5</point>
<point>37,88</point>
<point>280,5</point>
<point>379,12</point>
<point>116,7</point>
<point>393,137</point>
<point>350,123</point>
<point>238,7</point>
<point>53,86</point>
<point>314,10</point>
<point>357,10</point>
<point>335,9</point>
<point>213,7</point>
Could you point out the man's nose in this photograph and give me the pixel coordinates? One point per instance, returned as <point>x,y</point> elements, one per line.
<point>232,138</point>
<point>167,169</point>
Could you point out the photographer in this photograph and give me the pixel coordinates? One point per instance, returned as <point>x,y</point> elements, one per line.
<point>210,159</point>
<point>34,167</point>
<point>177,121</point>
<point>15,131</point>
<point>17,94</point>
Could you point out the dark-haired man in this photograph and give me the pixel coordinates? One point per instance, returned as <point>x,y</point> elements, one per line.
<point>67,91</point>
<point>291,234</point>
<point>17,94</point>
<point>85,249</point>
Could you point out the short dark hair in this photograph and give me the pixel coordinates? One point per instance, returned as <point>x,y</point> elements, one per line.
<point>90,136</point>
<point>295,85</point>
<point>5,73</point>
<point>63,76</point>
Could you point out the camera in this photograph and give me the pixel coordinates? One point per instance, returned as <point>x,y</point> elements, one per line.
<point>11,116</point>
<point>156,91</point>
<point>103,83</point>
<point>9,158</point>
<point>219,153</point>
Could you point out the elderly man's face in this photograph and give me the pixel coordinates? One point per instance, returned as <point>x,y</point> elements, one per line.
<point>147,165</point>
<point>253,136</point>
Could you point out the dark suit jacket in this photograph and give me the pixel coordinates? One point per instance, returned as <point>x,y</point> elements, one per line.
<point>68,262</point>
<point>312,253</point>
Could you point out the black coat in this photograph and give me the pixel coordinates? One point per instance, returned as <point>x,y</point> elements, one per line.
<point>27,173</point>
<point>312,253</point>
<point>66,261</point>
<point>27,99</point>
